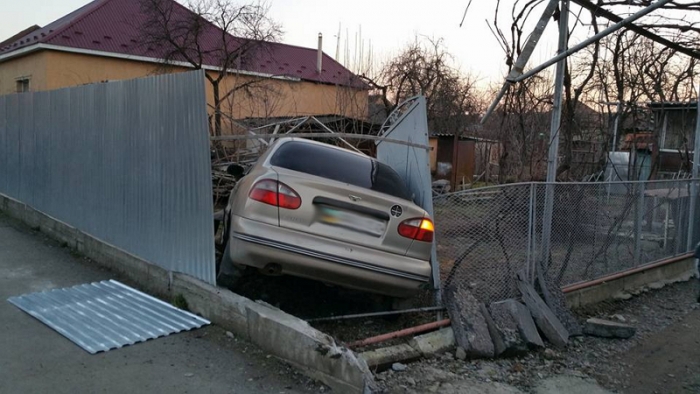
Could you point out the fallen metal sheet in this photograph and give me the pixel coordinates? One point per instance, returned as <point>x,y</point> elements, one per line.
<point>105,315</point>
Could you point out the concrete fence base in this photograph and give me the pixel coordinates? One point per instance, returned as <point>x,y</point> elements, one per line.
<point>276,332</point>
<point>622,286</point>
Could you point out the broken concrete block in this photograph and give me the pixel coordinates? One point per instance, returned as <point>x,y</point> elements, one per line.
<point>435,342</point>
<point>608,329</point>
<point>544,318</point>
<point>499,345</point>
<point>515,326</point>
<point>468,322</point>
<point>460,354</point>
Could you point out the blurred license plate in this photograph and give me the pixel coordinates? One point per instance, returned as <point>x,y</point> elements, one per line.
<point>353,221</point>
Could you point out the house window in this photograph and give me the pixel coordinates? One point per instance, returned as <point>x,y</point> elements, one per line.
<point>22,85</point>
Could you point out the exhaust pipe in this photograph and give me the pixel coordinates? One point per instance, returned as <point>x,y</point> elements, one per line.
<point>272,269</point>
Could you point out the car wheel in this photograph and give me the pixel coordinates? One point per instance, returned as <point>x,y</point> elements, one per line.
<point>228,273</point>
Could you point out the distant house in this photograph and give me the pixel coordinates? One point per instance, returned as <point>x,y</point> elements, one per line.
<point>675,125</point>
<point>100,42</point>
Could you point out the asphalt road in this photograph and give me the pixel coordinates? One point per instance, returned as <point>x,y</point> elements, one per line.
<point>36,359</point>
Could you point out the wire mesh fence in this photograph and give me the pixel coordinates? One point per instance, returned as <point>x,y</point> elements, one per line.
<point>487,236</point>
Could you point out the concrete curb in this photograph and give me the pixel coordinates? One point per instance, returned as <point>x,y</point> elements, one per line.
<point>278,333</point>
<point>625,287</point>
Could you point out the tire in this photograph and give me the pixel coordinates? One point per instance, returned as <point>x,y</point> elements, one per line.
<point>228,273</point>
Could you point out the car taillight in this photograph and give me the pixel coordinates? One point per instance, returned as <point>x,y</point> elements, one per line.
<point>418,229</point>
<point>275,193</point>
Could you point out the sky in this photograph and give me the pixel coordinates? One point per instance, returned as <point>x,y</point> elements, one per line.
<point>385,25</point>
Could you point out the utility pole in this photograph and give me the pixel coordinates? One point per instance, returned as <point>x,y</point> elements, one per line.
<point>554,132</point>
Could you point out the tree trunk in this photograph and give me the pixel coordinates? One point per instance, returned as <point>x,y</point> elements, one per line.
<point>217,108</point>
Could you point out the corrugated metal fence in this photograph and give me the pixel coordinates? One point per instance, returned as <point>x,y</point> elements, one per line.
<point>126,162</point>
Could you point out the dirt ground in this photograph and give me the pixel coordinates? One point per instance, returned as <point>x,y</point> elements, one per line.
<point>668,361</point>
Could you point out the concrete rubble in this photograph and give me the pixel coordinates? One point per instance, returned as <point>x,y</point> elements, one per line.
<point>515,327</point>
<point>545,319</point>
<point>608,329</point>
<point>469,323</point>
<point>421,346</point>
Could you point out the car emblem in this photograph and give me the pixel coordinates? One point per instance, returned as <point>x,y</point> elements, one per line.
<point>396,211</point>
<point>355,198</point>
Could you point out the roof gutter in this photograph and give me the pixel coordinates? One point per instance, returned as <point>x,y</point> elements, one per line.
<point>37,47</point>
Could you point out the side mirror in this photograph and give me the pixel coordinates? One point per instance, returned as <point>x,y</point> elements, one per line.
<point>235,170</point>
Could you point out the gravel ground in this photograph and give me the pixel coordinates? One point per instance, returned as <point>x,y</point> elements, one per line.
<point>608,361</point>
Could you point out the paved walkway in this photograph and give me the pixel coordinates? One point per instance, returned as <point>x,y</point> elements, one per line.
<point>36,359</point>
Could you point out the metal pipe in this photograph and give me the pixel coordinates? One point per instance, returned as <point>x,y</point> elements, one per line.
<point>524,56</point>
<point>373,314</point>
<point>319,56</point>
<point>401,333</point>
<point>323,126</point>
<point>592,39</point>
<point>318,135</point>
<point>695,171</point>
<point>553,153</point>
<point>617,122</point>
<point>639,217</point>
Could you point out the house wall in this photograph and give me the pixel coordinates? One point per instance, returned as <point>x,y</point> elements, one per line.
<point>33,66</point>
<point>261,98</point>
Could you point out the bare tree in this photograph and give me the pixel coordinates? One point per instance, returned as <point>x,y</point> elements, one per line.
<point>216,35</point>
<point>641,62</point>
<point>425,67</point>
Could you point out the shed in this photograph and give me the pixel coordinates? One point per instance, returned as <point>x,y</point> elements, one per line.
<point>461,158</point>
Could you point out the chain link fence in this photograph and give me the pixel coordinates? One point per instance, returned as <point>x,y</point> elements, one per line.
<point>487,236</point>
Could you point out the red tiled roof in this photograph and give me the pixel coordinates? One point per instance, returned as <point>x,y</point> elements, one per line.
<point>113,26</point>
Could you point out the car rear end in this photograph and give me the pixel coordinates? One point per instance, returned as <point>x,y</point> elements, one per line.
<point>325,213</point>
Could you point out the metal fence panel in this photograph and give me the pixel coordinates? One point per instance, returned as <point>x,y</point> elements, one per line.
<point>409,123</point>
<point>127,162</point>
<point>484,239</point>
<point>487,236</point>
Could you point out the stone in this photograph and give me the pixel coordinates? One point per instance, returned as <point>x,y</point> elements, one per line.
<point>460,354</point>
<point>515,326</point>
<point>435,342</point>
<point>622,295</point>
<point>550,354</point>
<point>608,329</point>
<point>619,318</point>
<point>229,334</point>
<point>398,367</point>
<point>544,318</point>
<point>468,322</point>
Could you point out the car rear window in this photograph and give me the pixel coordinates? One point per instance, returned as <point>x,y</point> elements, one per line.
<point>341,166</point>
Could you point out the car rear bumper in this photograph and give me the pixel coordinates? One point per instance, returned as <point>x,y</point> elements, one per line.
<point>258,244</point>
